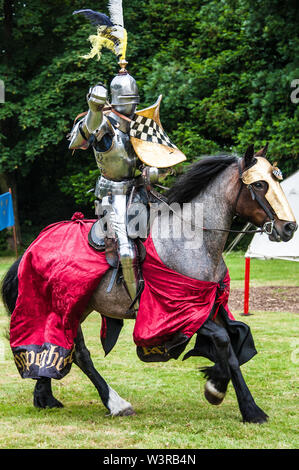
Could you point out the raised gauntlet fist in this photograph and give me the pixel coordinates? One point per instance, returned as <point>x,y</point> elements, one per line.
<point>97,97</point>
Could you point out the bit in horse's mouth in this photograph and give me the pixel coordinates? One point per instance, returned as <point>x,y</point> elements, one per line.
<point>283,237</point>
<point>275,237</point>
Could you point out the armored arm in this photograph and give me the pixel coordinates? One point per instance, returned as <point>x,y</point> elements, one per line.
<point>83,129</point>
<point>152,174</point>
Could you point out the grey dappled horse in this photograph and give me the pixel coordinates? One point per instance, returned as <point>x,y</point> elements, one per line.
<point>216,183</point>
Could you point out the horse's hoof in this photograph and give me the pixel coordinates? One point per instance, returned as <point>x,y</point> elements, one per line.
<point>47,402</point>
<point>259,417</point>
<point>117,405</point>
<point>125,412</point>
<point>128,412</point>
<point>212,394</point>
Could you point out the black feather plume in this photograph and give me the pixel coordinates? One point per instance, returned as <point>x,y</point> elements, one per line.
<point>95,17</point>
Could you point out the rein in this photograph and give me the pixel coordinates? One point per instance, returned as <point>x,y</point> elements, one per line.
<point>261,203</point>
<point>254,195</point>
<point>264,229</point>
<point>205,228</point>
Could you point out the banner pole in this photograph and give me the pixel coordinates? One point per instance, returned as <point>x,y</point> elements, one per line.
<point>14,233</point>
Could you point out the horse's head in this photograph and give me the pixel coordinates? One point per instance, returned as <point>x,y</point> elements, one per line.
<point>261,199</point>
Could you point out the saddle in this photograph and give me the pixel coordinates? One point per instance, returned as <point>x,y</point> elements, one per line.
<point>109,246</point>
<point>99,242</point>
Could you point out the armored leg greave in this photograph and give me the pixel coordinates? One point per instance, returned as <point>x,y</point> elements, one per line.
<point>126,248</point>
<point>114,202</point>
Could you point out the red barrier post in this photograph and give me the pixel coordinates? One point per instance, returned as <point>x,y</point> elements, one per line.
<point>246,287</point>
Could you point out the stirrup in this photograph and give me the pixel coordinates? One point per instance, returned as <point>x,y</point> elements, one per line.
<point>132,310</point>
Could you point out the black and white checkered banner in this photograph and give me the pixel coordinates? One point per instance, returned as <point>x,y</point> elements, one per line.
<point>148,130</point>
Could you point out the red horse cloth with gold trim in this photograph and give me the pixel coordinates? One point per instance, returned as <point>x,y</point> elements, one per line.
<point>57,276</point>
<point>172,303</point>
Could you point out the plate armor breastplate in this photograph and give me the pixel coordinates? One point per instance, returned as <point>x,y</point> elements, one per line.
<point>119,161</point>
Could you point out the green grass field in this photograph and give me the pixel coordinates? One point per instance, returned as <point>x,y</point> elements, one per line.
<point>171,411</point>
<point>271,272</point>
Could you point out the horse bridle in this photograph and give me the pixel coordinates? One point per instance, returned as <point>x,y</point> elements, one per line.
<point>255,196</point>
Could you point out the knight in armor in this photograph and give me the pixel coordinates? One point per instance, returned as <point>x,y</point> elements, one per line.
<point>108,134</point>
<point>131,149</point>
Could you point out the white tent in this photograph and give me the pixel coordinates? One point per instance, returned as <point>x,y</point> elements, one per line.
<point>262,247</point>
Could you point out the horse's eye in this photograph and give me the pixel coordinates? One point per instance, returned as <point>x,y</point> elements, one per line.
<point>258,185</point>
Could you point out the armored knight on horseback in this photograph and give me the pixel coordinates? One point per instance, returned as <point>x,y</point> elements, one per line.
<point>55,285</point>
<point>131,149</point>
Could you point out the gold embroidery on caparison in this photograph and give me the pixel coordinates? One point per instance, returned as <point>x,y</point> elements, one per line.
<point>49,358</point>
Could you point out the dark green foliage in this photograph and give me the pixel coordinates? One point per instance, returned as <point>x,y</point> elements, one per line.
<point>224,68</point>
<point>3,240</point>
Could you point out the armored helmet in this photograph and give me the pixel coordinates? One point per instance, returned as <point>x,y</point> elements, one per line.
<point>124,93</point>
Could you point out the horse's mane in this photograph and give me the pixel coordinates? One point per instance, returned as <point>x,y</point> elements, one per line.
<point>198,176</point>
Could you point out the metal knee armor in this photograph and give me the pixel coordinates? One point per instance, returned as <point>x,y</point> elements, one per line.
<point>113,196</point>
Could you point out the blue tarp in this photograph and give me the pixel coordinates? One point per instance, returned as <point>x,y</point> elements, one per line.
<point>6,211</point>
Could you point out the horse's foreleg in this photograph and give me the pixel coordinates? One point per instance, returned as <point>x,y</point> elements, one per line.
<point>216,385</point>
<point>116,405</point>
<point>43,396</point>
<point>218,375</point>
<point>251,413</point>
<point>226,368</point>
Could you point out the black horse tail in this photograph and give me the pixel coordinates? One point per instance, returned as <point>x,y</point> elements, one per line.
<point>9,287</point>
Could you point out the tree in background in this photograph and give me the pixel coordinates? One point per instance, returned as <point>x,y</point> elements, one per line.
<point>224,68</point>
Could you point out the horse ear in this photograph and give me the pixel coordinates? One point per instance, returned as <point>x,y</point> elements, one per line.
<point>249,155</point>
<point>263,151</point>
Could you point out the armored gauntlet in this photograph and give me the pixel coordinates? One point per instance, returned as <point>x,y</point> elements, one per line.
<point>96,99</point>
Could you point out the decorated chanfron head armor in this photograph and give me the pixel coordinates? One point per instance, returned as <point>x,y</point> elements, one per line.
<point>262,170</point>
